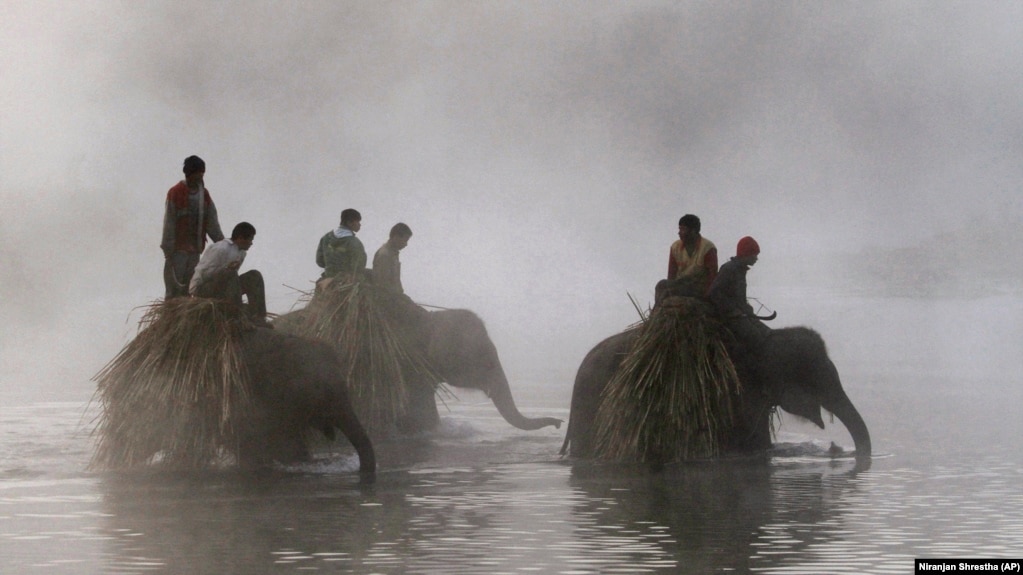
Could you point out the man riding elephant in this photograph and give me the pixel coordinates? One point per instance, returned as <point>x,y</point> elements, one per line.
<point>190,216</point>
<point>217,275</point>
<point>339,250</point>
<point>692,263</point>
<point>728,294</point>
<point>386,276</point>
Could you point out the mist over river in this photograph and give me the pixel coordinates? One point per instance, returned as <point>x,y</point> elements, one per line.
<point>542,154</point>
<point>478,496</point>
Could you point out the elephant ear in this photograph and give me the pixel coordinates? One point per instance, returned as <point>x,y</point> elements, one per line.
<point>801,403</point>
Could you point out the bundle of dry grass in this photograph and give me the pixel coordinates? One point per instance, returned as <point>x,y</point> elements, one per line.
<point>376,347</point>
<point>672,397</point>
<point>174,390</point>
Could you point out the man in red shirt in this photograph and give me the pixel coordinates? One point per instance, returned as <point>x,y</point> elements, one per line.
<point>190,217</point>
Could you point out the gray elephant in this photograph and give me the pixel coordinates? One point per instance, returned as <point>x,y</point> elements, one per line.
<point>790,369</point>
<point>296,388</point>
<point>191,387</point>
<point>461,352</point>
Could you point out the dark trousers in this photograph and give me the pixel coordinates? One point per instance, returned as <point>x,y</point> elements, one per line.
<point>177,272</point>
<point>749,333</point>
<point>682,287</point>
<point>233,286</point>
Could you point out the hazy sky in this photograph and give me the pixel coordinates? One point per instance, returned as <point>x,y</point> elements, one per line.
<point>542,152</point>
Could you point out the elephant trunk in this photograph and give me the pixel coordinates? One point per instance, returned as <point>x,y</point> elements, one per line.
<point>853,422</point>
<point>500,393</point>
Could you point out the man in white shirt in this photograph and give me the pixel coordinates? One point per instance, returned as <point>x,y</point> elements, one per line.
<point>217,275</point>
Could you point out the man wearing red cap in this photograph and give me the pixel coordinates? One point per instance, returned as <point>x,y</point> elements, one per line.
<point>728,294</point>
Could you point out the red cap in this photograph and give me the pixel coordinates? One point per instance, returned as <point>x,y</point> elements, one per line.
<point>747,247</point>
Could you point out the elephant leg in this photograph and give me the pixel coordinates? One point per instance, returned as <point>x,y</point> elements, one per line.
<point>421,414</point>
<point>756,432</point>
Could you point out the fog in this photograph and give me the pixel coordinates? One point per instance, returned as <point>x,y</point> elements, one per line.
<point>542,152</point>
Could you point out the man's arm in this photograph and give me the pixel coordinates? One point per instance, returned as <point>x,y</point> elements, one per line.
<point>672,265</point>
<point>358,255</point>
<point>721,293</point>
<point>386,271</point>
<point>169,222</point>
<point>710,263</point>
<point>319,255</point>
<point>212,221</point>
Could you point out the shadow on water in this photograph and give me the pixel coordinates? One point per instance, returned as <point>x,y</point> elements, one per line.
<point>227,522</point>
<point>551,517</point>
<point>476,497</point>
<point>708,516</point>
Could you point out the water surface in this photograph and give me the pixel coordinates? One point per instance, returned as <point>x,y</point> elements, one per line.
<point>478,496</point>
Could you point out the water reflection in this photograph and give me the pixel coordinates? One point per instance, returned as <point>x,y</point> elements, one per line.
<point>478,498</point>
<point>439,507</point>
<point>704,517</point>
<point>546,518</point>
<point>228,523</point>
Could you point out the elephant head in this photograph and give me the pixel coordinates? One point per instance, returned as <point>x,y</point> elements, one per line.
<point>296,387</point>
<point>791,370</point>
<point>464,356</point>
<point>595,372</point>
<point>457,346</point>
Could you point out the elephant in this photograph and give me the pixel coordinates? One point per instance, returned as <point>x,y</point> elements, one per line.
<point>186,391</point>
<point>295,387</point>
<point>789,369</point>
<point>458,348</point>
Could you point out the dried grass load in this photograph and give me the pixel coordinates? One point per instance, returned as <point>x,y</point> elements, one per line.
<point>672,397</point>
<point>176,389</point>
<point>375,342</point>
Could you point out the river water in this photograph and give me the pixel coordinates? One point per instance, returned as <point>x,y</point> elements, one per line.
<point>937,381</point>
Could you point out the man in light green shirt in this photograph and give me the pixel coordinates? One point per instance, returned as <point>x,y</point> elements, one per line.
<point>339,251</point>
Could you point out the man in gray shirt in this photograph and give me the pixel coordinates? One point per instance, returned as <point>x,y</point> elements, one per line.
<point>386,265</point>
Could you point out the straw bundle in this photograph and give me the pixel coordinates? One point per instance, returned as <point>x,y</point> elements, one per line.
<point>375,345</point>
<point>672,397</point>
<point>176,389</point>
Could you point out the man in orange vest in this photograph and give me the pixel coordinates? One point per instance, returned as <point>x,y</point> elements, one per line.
<point>190,217</point>
<point>692,262</point>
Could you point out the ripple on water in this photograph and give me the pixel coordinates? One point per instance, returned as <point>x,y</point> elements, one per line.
<point>801,513</point>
